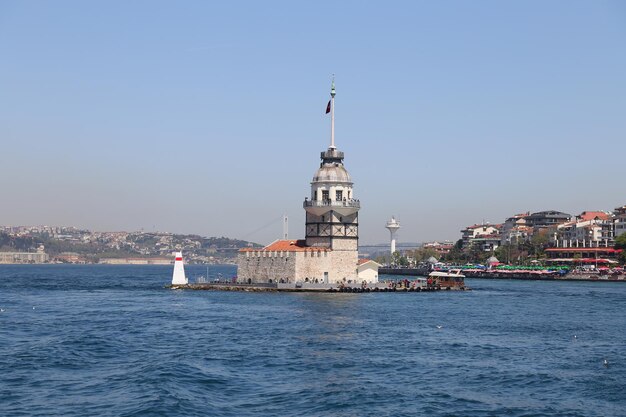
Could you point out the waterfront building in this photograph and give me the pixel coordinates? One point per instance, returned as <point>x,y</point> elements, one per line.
<point>136,261</point>
<point>619,220</point>
<point>514,229</point>
<point>589,238</point>
<point>487,243</point>
<point>70,258</point>
<point>329,252</point>
<point>547,219</point>
<point>442,248</point>
<point>367,270</point>
<point>38,257</point>
<point>487,236</point>
<point>588,255</point>
<point>590,229</point>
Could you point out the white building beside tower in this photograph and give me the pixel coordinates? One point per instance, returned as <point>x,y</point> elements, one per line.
<point>329,252</point>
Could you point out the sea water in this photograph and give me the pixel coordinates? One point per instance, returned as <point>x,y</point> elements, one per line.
<point>113,341</point>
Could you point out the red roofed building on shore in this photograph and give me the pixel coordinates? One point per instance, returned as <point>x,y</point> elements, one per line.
<point>329,252</point>
<point>587,255</point>
<point>590,229</point>
<point>442,248</point>
<point>486,235</point>
<point>515,229</point>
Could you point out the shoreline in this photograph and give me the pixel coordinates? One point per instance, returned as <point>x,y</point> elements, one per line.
<point>318,288</point>
<point>518,276</point>
<point>575,279</point>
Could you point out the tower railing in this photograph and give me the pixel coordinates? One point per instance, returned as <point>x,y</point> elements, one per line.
<point>353,203</point>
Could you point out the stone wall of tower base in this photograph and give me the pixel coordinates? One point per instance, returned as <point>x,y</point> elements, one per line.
<point>298,266</point>
<point>265,268</point>
<point>312,266</point>
<point>344,264</point>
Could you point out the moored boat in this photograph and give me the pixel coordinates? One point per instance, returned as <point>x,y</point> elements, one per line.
<point>447,279</point>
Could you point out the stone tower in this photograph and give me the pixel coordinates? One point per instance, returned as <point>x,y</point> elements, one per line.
<point>329,254</point>
<point>332,212</point>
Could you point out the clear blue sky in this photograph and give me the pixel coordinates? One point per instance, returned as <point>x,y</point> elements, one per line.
<point>208,117</point>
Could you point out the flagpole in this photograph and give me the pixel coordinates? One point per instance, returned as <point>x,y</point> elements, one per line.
<point>332,114</point>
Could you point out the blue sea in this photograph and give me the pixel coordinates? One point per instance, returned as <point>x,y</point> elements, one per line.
<point>113,341</point>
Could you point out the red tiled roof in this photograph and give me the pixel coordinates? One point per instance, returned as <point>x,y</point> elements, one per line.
<point>590,215</point>
<point>364,261</point>
<point>288,246</point>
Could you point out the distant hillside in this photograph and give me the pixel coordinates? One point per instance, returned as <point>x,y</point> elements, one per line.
<point>93,246</point>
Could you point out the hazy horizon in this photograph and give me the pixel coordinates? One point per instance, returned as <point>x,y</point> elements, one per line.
<point>209,118</point>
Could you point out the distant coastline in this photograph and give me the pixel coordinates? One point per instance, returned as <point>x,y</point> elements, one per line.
<point>51,244</point>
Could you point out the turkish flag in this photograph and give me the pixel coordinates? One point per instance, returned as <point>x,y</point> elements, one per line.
<point>328,107</point>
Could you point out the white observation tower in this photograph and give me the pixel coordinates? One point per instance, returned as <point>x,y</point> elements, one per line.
<point>393,225</point>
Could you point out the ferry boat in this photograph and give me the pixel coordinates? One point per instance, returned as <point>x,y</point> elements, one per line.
<point>447,279</point>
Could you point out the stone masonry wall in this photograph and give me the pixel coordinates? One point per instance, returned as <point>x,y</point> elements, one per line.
<point>270,265</point>
<point>344,265</point>
<point>312,265</point>
<point>297,266</point>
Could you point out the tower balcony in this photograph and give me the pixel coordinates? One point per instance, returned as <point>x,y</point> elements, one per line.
<point>344,207</point>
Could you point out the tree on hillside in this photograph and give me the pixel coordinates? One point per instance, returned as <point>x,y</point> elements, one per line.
<point>398,259</point>
<point>476,254</point>
<point>511,253</point>
<point>456,254</point>
<point>537,243</point>
<point>18,243</point>
<point>620,241</point>
<point>423,254</point>
<point>383,259</point>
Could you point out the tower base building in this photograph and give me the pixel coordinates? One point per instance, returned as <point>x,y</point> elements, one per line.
<point>291,261</point>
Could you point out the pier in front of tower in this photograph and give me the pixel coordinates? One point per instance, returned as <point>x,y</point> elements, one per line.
<point>404,286</point>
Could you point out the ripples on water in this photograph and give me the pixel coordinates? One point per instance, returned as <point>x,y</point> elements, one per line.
<point>112,341</point>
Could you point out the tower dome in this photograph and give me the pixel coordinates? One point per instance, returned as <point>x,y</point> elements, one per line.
<point>332,174</point>
<point>332,171</point>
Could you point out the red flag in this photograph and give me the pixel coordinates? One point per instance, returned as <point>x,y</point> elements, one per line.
<point>328,107</point>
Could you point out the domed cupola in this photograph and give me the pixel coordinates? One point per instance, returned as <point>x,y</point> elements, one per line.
<point>331,169</point>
